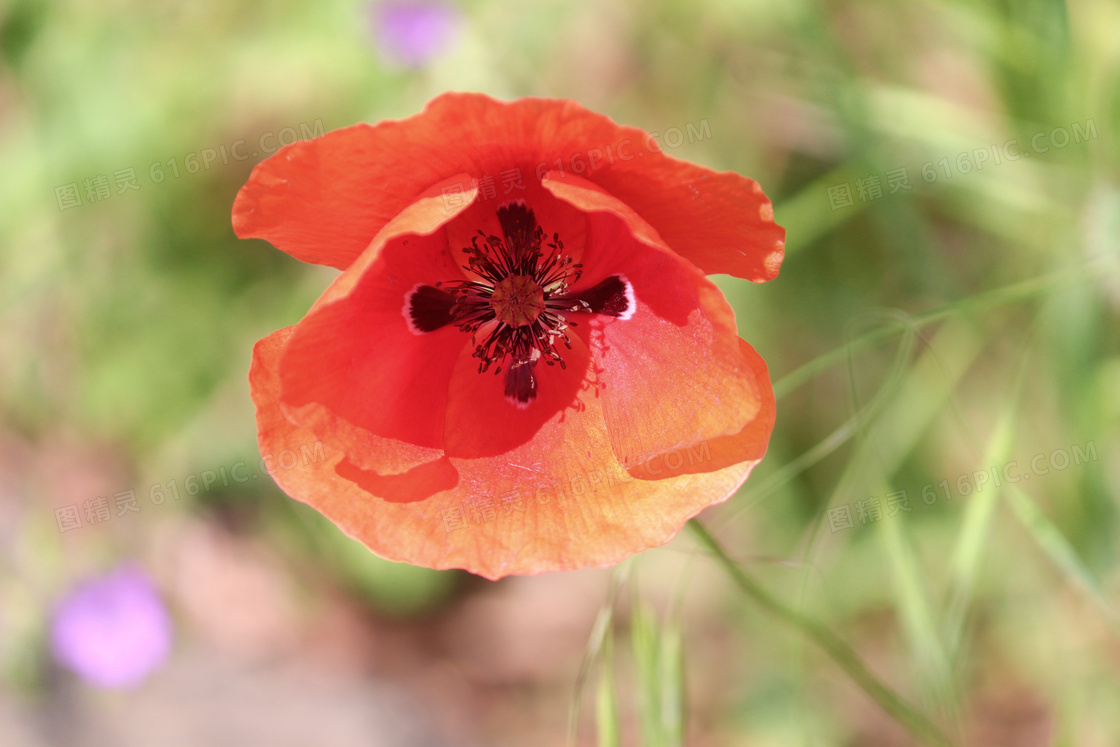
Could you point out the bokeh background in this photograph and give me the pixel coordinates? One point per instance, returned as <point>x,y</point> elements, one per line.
<point>946,320</point>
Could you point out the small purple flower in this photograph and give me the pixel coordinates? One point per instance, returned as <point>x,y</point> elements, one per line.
<point>412,32</point>
<point>112,630</point>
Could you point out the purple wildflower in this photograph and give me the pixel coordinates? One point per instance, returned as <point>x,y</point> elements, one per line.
<point>412,32</point>
<point>112,630</point>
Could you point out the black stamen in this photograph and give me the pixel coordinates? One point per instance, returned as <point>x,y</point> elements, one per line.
<point>520,229</point>
<point>521,385</point>
<point>428,308</point>
<point>517,307</point>
<point>613,297</point>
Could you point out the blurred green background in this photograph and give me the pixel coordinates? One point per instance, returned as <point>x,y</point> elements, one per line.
<point>946,319</point>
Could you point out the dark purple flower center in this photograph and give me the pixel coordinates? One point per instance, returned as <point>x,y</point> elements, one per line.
<point>517,308</point>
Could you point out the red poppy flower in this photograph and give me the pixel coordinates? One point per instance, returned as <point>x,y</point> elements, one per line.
<point>522,367</point>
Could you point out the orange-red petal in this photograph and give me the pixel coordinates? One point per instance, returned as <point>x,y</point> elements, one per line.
<point>722,222</point>
<point>559,502</point>
<point>323,200</point>
<point>673,373</point>
<point>481,422</point>
<point>354,353</point>
<point>418,483</point>
<point>749,444</point>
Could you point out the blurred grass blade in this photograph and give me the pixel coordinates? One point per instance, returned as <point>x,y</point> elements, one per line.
<point>966,562</point>
<point>838,437</point>
<point>843,654</point>
<point>671,651</point>
<point>1008,294</point>
<point>606,700</point>
<point>918,614</point>
<point>596,642</point>
<point>927,387</point>
<point>921,396</point>
<point>1055,544</point>
<point>659,670</point>
<point>647,666</point>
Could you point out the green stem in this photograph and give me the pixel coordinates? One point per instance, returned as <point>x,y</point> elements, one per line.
<point>1008,294</point>
<point>834,646</point>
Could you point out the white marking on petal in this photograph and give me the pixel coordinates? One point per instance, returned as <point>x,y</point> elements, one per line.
<point>631,301</point>
<point>407,311</point>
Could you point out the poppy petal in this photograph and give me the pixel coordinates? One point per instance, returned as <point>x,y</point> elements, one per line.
<point>749,444</point>
<point>559,502</point>
<point>418,483</point>
<point>323,200</point>
<point>412,474</point>
<point>359,354</point>
<point>364,450</point>
<point>552,215</point>
<point>674,372</point>
<point>720,221</point>
<point>482,418</point>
